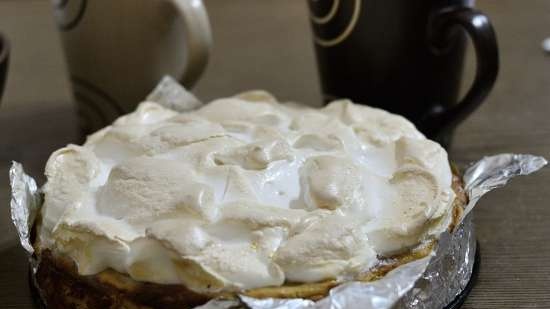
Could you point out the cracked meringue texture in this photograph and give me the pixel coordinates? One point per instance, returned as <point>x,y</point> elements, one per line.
<point>245,192</point>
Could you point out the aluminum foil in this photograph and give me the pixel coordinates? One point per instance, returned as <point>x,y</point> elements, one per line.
<point>494,172</point>
<point>430,282</point>
<point>25,203</point>
<point>173,95</point>
<point>448,272</point>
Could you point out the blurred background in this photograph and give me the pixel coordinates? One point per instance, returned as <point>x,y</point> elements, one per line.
<point>268,45</point>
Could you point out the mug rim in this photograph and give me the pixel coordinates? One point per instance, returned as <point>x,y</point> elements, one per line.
<point>4,48</point>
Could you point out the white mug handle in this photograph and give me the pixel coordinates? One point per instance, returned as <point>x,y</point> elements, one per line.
<point>199,38</point>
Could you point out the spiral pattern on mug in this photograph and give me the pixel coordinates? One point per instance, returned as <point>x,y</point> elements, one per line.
<point>96,108</point>
<point>328,16</point>
<point>333,20</point>
<point>69,13</point>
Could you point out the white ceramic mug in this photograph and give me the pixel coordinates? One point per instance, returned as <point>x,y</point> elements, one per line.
<point>118,50</point>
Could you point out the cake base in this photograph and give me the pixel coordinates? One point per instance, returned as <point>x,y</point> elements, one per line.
<point>455,304</point>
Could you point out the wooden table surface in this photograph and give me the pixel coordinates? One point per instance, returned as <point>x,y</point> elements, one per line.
<point>266,44</point>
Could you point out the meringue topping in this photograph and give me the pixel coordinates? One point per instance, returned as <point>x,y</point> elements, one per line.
<point>245,192</point>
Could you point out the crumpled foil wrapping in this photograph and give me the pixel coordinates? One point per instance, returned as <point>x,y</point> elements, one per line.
<point>448,272</point>
<point>173,95</point>
<point>494,172</point>
<point>430,282</point>
<point>25,203</point>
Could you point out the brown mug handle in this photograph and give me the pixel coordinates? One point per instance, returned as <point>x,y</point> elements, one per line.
<point>443,118</point>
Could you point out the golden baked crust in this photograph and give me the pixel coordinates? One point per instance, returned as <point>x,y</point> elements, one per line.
<point>61,286</point>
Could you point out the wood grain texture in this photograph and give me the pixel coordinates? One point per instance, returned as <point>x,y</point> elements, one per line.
<point>266,44</point>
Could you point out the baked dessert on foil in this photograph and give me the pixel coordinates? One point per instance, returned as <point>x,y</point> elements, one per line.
<point>242,197</point>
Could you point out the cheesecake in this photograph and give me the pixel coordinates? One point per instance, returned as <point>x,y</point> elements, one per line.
<point>243,196</point>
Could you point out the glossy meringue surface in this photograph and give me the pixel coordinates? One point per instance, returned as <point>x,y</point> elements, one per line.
<point>245,192</point>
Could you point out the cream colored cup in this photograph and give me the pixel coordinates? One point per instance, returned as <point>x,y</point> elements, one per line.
<point>118,50</point>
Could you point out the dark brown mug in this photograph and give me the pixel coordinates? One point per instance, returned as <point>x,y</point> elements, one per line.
<point>4,60</point>
<point>405,56</point>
